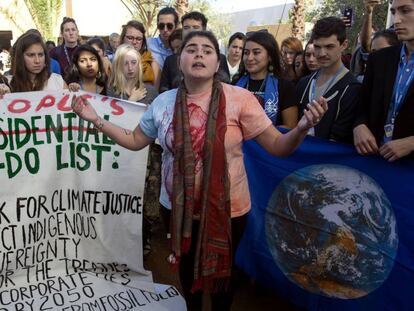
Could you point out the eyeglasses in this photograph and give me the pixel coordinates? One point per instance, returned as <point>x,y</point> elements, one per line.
<point>132,38</point>
<point>161,26</point>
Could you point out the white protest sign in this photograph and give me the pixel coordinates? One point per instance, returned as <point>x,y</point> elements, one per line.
<point>71,209</point>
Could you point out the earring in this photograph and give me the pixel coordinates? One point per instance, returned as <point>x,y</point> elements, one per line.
<point>270,69</point>
<point>98,75</point>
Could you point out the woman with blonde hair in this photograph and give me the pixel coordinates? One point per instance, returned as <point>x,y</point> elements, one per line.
<point>133,33</point>
<point>126,81</point>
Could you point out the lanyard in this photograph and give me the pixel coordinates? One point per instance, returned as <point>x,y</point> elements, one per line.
<point>67,55</point>
<point>405,72</point>
<point>401,89</point>
<point>331,82</point>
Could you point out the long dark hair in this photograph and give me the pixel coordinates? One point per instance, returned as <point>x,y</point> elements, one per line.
<point>74,74</point>
<point>388,34</point>
<point>268,42</point>
<point>4,80</point>
<point>98,41</point>
<point>21,79</point>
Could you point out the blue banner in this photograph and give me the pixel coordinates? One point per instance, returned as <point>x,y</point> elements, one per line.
<point>329,229</point>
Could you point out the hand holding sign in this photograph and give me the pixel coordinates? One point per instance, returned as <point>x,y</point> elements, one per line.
<point>4,89</point>
<point>74,87</point>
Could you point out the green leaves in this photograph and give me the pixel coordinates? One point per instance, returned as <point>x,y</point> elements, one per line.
<point>146,12</point>
<point>336,8</point>
<point>45,14</point>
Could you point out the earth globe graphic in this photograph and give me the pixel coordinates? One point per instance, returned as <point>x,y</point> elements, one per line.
<point>332,231</point>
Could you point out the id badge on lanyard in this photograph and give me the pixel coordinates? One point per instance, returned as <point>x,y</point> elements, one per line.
<point>388,131</point>
<point>399,96</point>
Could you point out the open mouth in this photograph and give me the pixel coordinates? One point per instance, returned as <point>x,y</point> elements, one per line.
<point>198,65</point>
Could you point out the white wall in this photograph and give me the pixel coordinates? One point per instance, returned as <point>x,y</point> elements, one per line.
<point>99,17</point>
<point>15,10</point>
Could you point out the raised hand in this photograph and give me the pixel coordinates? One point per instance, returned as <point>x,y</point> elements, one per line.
<point>84,109</point>
<point>369,5</point>
<point>313,114</point>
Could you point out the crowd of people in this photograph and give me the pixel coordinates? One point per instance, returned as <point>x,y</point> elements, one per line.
<point>211,102</point>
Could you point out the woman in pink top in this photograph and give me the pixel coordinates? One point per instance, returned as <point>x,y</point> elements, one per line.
<point>201,126</point>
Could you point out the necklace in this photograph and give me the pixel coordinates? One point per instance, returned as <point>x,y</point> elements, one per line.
<point>261,88</point>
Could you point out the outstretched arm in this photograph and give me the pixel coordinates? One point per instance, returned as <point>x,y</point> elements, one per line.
<point>133,140</point>
<point>366,29</point>
<point>280,144</point>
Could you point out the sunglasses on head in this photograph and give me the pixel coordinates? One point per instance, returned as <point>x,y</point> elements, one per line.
<point>161,26</point>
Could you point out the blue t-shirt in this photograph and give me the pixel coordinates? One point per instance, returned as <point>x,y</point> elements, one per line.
<point>54,66</point>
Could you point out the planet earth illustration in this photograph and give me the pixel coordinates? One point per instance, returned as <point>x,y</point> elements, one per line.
<point>332,231</point>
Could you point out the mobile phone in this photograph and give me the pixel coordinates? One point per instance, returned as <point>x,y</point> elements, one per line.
<point>348,14</point>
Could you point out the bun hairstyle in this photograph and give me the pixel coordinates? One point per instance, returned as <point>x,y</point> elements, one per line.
<point>66,20</point>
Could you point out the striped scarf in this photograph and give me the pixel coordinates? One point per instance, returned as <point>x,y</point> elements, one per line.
<point>212,263</point>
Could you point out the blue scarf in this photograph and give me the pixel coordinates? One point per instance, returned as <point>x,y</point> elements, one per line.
<point>271,95</point>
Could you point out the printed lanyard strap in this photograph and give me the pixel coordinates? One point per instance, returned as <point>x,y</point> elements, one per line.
<point>67,55</point>
<point>401,90</point>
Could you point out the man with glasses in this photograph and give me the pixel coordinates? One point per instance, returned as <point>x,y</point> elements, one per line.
<point>167,22</point>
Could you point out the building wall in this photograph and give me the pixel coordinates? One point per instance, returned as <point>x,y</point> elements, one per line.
<point>280,31</point>
<point>99,17</point>
<point>93,17</point>
<point>273,15</point>
<point>15,17</point>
